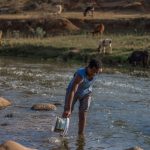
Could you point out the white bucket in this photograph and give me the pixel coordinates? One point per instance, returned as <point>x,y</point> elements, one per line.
<point>62,125</point>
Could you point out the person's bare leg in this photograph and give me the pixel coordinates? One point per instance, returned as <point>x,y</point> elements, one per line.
<point>82,122</point>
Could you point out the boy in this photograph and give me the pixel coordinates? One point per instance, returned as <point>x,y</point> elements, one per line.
<point>80,88</point>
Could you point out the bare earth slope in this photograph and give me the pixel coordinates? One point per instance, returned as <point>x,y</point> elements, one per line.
<point>26,16</point>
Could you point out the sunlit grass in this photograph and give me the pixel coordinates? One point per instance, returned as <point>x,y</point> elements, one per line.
<point>105,15</point>
<point>79,15</point>
<point>122,44</point>
<point>58,48</point>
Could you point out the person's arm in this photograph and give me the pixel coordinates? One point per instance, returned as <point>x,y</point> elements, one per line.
<point>78,79</point>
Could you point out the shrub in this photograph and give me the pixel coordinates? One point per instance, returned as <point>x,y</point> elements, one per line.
<point>39,32</point>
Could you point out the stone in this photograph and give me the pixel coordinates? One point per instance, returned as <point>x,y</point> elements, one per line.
<point>4,102</point>
<point>134,148</point>
<point>43,106</point>
<point>12,145</point>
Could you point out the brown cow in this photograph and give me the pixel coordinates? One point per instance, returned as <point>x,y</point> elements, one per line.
<point>98,29</point>
<point>1,33</point>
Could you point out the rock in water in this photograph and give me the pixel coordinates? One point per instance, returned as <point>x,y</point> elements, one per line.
<point>11,145</point>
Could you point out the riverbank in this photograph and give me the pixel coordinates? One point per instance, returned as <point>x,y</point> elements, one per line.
<point>107,68</point>
<point>64,38</point>
<point>75,47</point>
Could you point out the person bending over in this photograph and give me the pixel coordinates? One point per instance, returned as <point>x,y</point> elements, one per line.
<point>80,89</point>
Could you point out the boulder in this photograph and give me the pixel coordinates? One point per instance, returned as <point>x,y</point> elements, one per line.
<point>43,106</point>
<point>134,148</point>
<point>11,145</point>
<point>4,102</point>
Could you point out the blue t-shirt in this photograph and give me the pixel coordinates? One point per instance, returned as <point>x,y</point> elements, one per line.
<point>86,85</point>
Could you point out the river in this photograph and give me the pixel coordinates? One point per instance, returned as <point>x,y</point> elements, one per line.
<point>119,116</point>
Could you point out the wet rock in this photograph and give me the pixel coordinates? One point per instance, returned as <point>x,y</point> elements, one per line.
<point>120,123</point>
<point>57,104</point>
<point>140,73</point>
<point>134,148</point>
<point>9,115</point>
<point>4,103</point>
<point>43,106</point>
<point>11,145</point>
<point>74,50</point>
<point>4,124</point>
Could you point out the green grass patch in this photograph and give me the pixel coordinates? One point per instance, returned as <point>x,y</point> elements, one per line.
<point>64,47</point>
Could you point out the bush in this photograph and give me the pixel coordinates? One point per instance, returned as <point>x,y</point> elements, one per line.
<point>39,32</point>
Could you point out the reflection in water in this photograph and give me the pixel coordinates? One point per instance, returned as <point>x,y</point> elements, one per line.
<point>65,144</point>
<point>80,143</point>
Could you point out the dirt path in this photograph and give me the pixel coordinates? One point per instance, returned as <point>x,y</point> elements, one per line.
<point>78,15</point>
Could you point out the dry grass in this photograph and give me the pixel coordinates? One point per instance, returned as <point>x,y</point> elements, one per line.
<point>122,44</point>
<point>106,15</point>
<point>78,15</point>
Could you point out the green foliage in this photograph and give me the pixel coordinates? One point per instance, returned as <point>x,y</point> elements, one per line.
<point>39,32</point>
<point>16,34</point>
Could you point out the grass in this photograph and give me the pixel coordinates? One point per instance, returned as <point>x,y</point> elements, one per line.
<point>122,42</point>
<point>77,15</point>
<point>107,15</point>
<point>60,46</point>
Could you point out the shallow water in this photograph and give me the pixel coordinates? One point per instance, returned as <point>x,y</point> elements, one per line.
<point>118,116</point>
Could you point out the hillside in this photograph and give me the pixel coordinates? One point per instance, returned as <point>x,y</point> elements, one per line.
<point>18,6</point>
<point>27,17</point>
<point>29,20</point>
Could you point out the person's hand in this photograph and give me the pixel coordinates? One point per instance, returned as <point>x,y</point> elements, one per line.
<point>66,114</point>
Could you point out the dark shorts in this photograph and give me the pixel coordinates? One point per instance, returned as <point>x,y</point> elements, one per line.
<point>84,102</point>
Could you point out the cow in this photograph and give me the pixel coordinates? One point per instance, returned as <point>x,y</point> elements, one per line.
<point>58,9</point>
<point>99,29</point>
<point>139,57</point>
<point>105,46</point>
<point>89,10</point>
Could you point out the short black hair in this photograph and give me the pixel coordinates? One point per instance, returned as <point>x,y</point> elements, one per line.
<point>95,63</point>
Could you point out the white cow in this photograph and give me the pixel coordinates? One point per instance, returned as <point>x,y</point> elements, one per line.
<point>58,9</point>
<point>105,46</point>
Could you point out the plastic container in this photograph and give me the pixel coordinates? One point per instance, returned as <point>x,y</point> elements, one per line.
<point>62,125</point>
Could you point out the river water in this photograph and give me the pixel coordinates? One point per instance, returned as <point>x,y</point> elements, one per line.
<point>119,116</point>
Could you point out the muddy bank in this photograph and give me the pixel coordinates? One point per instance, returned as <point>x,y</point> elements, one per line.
<point>134,25</point>
<point>58,26</point>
